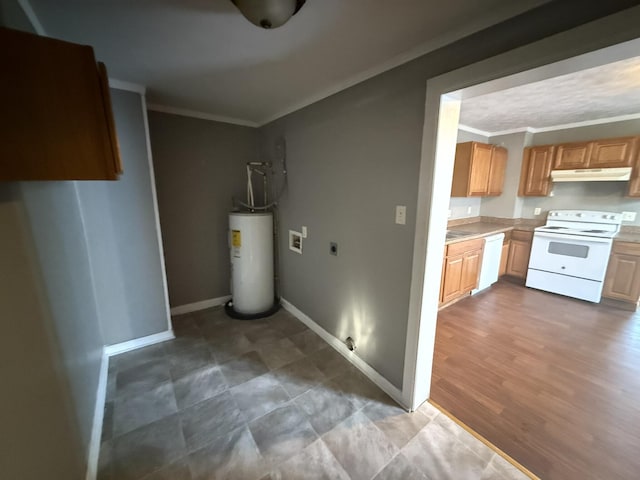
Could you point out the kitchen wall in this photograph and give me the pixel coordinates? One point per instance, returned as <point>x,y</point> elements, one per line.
<point>508,205</point>
<point>199,165</point>
<point>606,196</point>
<point>352,158</point>
<point>122,237</point>
<point>465,207</point>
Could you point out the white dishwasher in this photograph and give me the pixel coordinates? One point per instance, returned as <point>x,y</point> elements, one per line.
<point>490,262</point>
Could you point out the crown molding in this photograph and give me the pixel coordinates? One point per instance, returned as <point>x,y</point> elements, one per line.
<point>155,107</point>
<point>33,18</point>
<point>551,128</point>
<point>128,86</point>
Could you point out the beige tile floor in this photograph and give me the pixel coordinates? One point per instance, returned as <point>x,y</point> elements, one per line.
<point>269,399</point>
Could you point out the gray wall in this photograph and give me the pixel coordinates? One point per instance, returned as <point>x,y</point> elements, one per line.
<point>352,157</point>
<point>51,346</point>
<point>122,237</point>
<point>45,390</point>
<point>199,167</point>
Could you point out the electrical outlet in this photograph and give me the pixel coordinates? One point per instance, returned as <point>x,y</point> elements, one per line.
<point>468,210</point>
<point>536,211</point>
<point>401,214</point>
<point>304,232</point>
<point>449,213</point>
<point>628,216</point>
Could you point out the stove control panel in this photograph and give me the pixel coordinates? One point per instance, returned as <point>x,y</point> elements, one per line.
<point>612,218</point>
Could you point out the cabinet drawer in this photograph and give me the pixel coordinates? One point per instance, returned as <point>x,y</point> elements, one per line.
<point>522,235</point>
<point>626,248</point>
<point>466,246</point>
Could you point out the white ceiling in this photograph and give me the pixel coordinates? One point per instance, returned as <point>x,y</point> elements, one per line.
<point>202,55</point>
<point>608,91</point>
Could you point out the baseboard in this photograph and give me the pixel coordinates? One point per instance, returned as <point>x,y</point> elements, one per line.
<point>136,343</point>
<point>98,417</point>
<point>194,307</point>
<point>341,348</point>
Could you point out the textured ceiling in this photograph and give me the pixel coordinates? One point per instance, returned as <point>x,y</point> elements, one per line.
<point>203,55</point>
<point>603,92</point>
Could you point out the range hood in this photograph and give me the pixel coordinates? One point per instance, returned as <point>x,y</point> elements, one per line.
<point>592,175</point>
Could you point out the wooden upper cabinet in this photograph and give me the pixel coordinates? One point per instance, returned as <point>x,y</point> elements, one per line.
<point>570,156</point>
<point>614,152</point>
<point>478,170</point>
<point>498,169</point>
<point>535,176</point>
<point>56,121</point>
<point>634,182</point>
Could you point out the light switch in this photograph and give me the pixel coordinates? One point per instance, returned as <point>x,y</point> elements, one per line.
<point>304,232</point>
<point>401,214</point>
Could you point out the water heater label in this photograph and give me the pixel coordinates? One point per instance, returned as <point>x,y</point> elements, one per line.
<point>236,238</point>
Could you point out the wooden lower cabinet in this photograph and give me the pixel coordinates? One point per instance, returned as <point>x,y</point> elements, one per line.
<point>503,258</point>
<point>519,251</point>
<point>622,281</point>
<point>460,269</point>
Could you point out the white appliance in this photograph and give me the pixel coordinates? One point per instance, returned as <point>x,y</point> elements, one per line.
<point>251,245</point>
<point>615,174</point>
<point>490,267</point>
<point>569,255</point>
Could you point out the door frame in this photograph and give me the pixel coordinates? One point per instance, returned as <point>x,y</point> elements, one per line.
<point>603,41</point>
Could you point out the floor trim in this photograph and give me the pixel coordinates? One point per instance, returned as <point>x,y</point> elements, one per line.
<point>468,429</point>
<point>342,349</point>
<point>201,305</point>
<point>98,417</point>
<point>117,348</point>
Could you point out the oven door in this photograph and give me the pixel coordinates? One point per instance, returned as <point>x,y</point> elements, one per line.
<point>572,255</point>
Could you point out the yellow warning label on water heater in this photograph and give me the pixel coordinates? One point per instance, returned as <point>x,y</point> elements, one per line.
<point>236,238</point>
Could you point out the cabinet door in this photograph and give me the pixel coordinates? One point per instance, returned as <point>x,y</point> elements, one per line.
<point>518,261</point>
<point>570,156</point>
<point>535,177</point>
<point>613,152</point>
<point>503,259</point>
<point>480,169</point>
<point>623,278</point>
<point>470,271</point>
<point>452,277</point>
<point>54,114</point>
<point>498,168</point>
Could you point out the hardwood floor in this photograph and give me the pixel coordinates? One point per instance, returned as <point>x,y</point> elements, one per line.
<point>552,381</point>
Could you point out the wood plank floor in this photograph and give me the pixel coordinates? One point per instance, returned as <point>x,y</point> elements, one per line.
<point>552,381</point>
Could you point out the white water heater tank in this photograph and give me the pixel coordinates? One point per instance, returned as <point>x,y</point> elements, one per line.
<point>251,243</point>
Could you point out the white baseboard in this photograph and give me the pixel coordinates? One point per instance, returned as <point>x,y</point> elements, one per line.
<point>98,417</point>
<point>360,364</point>
<point>136,343</point>
<point>193,307</point>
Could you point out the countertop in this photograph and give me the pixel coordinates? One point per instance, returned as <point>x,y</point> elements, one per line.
<point>483,229</point>
<point>631,237</point>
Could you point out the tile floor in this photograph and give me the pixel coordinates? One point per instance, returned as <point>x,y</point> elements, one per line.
<point>269,399</point>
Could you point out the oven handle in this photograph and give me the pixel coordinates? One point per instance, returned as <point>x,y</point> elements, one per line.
<point>569,237</point>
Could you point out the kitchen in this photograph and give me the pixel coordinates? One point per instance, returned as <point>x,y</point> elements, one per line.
<point>510,361</point>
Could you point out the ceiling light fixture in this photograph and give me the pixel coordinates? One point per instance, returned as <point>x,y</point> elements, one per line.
<point>268,13</point>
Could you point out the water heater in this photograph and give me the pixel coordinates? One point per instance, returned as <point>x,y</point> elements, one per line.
<point>251,244</point>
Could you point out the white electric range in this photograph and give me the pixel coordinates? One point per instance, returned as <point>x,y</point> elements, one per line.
<point>570,254</point>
